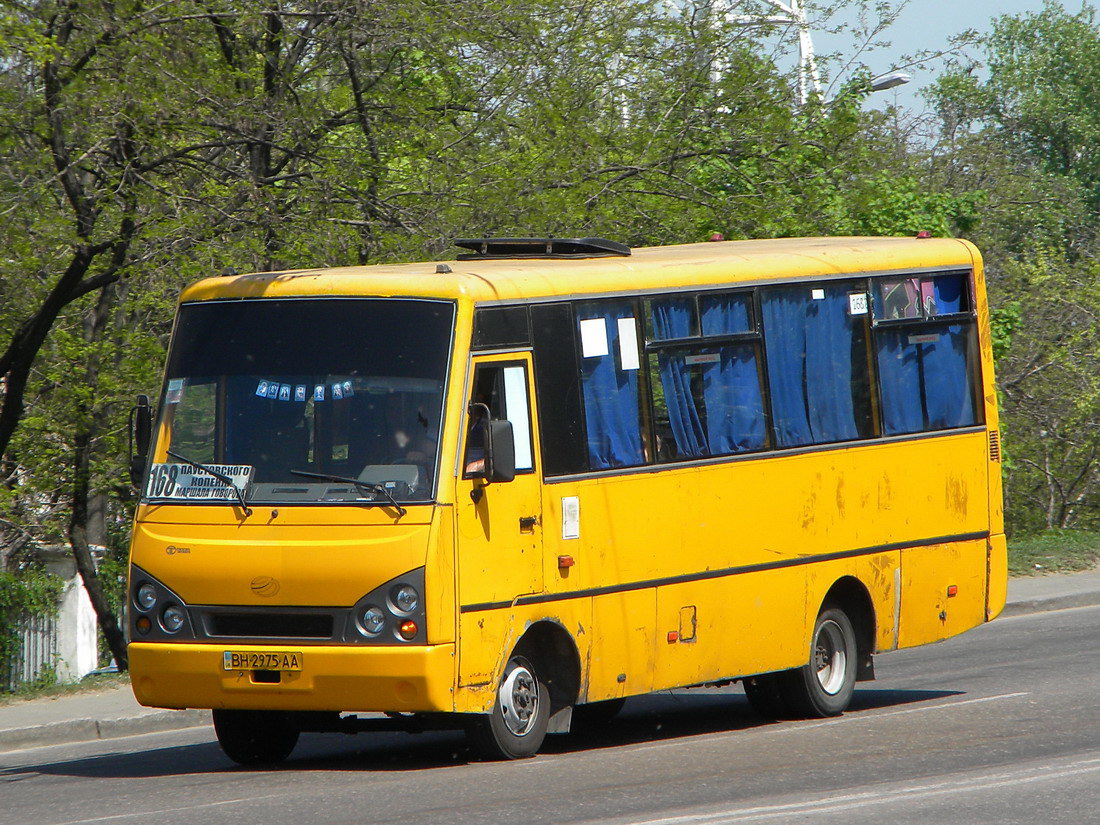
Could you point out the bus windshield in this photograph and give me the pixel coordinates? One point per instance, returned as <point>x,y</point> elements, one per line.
<point>275,393</point>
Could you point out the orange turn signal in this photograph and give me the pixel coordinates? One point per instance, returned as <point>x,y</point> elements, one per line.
<point>407,629</point>
<point>144,625</point>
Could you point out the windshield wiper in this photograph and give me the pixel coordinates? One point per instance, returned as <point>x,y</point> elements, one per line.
<point>377,489</point>
<point>220,476</point>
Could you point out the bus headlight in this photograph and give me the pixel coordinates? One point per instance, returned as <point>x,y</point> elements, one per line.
<point>146,597</point>
<point>173,618</point>
<point>372,621</point>
<point>405,598</point>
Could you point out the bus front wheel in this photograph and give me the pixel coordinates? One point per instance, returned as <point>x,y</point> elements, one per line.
<point>824,686</point>
<point>517,725</point>
<point>255,737</point>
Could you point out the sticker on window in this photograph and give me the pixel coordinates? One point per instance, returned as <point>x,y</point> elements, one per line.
<point>185,482</point>
<point>703,358</point>
<point>593,338</point>
<point>628,344</point>
<point>174,393</point>
<point>924,338</point>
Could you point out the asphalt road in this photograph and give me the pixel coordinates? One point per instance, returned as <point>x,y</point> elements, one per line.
<point>1001,725</point>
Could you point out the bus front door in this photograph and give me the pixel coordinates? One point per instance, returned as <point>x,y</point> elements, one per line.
<point>499,524</point>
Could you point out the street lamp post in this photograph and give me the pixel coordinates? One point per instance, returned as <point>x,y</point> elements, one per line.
<point>793,13</point>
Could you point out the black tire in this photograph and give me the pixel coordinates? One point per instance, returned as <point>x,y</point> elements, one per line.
<point>517,726</point>
<point>824,686</point>
<point>767,696</point>
<point>595,715</point>
<point>255,737</point>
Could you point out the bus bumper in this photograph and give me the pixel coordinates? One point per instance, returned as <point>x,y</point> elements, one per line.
<point>411,679</point>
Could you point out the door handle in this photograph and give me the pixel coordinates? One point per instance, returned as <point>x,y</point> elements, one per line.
<point>528,522</point>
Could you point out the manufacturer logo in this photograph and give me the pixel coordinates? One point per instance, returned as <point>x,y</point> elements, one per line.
<point>172,550</point>
<point>264,586</point>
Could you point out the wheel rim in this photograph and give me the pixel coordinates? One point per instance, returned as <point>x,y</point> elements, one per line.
<point>519,699</point>
<point>830,657</point>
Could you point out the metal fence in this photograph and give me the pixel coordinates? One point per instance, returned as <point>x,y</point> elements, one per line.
<point>36,657</point>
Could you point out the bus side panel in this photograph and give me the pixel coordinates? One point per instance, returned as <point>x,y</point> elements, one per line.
<point>439,579</point>
<point>735,625</point>
<point>997,567</point>
<point>621,658</point>
<point>929,611</point>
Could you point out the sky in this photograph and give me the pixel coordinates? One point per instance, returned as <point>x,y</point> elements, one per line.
<point>927,25</point>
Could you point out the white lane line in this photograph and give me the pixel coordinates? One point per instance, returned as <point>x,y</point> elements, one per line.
<point>195,807</point>
<point>840,804</point>
<point>855,716</point>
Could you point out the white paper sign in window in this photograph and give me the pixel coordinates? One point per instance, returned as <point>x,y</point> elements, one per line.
<point>593,337</point>
<point>515,403</point>
<point>628,344</point>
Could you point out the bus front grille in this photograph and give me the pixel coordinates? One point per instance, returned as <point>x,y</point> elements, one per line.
<point>271,625</point>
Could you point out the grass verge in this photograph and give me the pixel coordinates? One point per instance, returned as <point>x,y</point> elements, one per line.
<point>1053,551</point>
<point>89,684</point>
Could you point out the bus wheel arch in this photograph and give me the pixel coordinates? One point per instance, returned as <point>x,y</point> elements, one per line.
<point>538,685</point>
<point>850,595</point>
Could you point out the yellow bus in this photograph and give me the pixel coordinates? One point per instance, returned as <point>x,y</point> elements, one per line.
<point>505,492</point>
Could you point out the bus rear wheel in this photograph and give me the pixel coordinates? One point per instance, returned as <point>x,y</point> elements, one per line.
<point>517,725</point>
<point>255,737</point>
<point>824,686</point>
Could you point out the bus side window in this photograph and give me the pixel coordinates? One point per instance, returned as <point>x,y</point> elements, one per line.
<point>818,372</point>
<point>609,382</point>
<point>926,354</point>
<point>503,389</point>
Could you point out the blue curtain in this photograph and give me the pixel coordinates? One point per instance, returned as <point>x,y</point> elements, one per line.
<point>610,395</point>
<point>735,407</point>
<point>899,378</point>
<point>731,388</point>
<point>724,314</point>
<point>948,291</point>
<point>948,396</point>
<point>672,318</point>
<point>925,386</point>
<point>810,369</point>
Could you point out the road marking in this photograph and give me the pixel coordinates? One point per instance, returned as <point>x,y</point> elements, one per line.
<point>855,716</point>
<point>849,802</point>
<point>134,815</point>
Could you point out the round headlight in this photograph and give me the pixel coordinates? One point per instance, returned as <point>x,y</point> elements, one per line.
<point>173,618</point>
<point>405,598</point>
<point>146,596</point>
<point>373,621</point>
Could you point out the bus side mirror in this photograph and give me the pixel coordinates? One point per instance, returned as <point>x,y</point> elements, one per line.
<point>500,452</point>
<point>141,434</point>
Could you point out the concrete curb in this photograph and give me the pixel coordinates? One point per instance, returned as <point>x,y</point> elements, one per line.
<point>1043,605</point>
<point>87,730</point>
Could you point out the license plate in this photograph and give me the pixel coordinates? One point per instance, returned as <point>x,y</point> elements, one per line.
<point>254,660</point>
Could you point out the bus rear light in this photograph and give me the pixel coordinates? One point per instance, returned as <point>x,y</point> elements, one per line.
<point>407,629</point>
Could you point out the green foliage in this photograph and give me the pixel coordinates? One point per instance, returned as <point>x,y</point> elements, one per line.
<point>28,593</point>
<point>1053,551</point>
